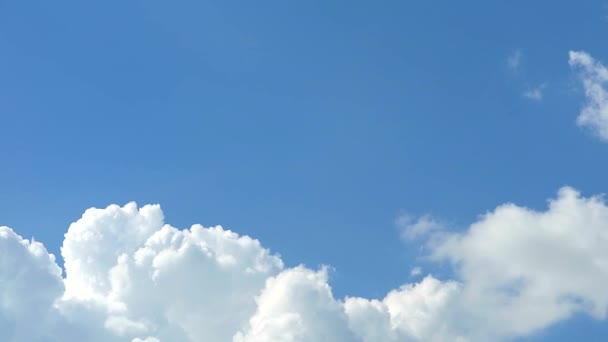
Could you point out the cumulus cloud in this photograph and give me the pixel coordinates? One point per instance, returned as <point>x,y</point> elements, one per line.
<point>284,310</point>
<point>30,281</point>
<point>131,277</point>
<point>594,76</point>
<point>523,269</point>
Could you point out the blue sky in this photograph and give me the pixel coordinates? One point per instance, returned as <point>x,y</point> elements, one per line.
<point>311,126</point>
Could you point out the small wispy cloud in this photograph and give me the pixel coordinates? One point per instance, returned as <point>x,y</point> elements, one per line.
<point>416,271</point>
<point>514,63</point>
<point>413,227</point>
<point>535,93</point>
<point>514,60</point>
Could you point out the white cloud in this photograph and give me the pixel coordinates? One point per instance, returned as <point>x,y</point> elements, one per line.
<point>514,60</point>
<point>524,270</point>
<point>535,93</point>
<point>147,339</point>
<point>414,312</point>
<point>298,305</point>
<point>416,271</point>
<point>93,244</point>
<point>30,281</point>
<point>131,277</point>
<point>416,227</point>
<point>594,76</point>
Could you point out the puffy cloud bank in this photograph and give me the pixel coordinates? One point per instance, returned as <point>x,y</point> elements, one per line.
<point>131,277</point>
